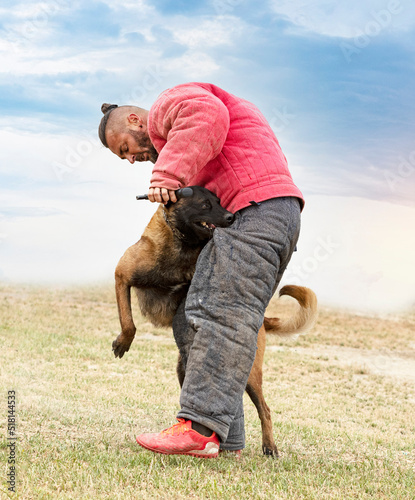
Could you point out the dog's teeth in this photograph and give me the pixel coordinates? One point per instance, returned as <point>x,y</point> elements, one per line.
<point>207,225</point>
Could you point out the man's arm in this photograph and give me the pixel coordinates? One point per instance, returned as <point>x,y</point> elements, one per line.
<point>195,130</point>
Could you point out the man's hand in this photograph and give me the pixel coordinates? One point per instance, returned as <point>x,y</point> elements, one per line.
<point>161,195</point>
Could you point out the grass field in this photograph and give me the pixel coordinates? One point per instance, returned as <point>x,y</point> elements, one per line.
<point>342,400</point>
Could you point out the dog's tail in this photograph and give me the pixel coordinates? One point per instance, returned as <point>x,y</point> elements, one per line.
<point>302,320</point>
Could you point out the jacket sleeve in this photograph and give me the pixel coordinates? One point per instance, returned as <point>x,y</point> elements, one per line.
<point>194,129</point>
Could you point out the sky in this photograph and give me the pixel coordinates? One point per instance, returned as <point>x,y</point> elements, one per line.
<point>334,79</point>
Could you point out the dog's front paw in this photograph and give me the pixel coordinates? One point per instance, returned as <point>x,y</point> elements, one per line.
<point>121,345</point>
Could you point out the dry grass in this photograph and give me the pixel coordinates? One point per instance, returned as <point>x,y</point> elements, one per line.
<point>345,430</point>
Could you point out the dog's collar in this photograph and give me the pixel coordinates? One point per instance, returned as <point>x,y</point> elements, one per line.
<point>174,230</point>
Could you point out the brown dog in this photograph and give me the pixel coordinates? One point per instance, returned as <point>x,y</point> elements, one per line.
<point>160,267</point>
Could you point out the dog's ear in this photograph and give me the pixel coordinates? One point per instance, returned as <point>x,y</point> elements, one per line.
<point>186,192</point>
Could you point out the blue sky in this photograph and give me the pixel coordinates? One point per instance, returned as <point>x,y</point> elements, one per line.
<point>335,80</point>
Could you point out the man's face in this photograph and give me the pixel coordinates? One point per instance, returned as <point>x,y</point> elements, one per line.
<point>132,145</point>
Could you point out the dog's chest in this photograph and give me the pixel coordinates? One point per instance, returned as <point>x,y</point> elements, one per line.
<point>178,264</point>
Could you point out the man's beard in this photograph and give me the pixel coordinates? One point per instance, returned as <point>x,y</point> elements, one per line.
<point>143,141</point>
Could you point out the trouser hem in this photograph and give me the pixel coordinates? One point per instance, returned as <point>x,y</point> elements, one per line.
<point>208,421</point>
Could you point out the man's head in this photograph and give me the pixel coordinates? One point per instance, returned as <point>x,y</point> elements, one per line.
<point>123,129</point>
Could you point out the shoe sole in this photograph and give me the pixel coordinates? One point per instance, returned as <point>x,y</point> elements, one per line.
<point>211,450</point>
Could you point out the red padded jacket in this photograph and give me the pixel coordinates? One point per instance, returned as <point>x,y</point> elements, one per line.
<point>208,137</point>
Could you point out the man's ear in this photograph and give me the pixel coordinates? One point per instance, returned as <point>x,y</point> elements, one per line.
<point>134,119</point>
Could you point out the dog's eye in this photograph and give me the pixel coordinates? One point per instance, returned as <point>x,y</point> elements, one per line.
<point>206,205</point>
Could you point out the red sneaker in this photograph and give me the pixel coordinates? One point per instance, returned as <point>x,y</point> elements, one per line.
<point>181,439</point>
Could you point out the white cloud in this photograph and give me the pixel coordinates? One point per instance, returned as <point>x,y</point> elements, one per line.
<point>50,60</point>
<point>26,24</point>
<point>347,19</point>
<point>29,57</point>
<point>140,8</point>
<point>194,66</point>
<point>208,33</point>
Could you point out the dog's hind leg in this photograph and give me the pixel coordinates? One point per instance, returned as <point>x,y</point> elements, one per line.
<point>183,335</point>
<point>254,390</point>
<point>180,370</point>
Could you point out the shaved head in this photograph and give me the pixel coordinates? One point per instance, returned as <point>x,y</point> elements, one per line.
<point>115,119</point>
<point>123,130</point>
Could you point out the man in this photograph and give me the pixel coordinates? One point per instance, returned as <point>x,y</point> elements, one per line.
<point>198,134</point>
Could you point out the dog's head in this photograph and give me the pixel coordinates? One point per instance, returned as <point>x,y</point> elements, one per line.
<point>196,215</point>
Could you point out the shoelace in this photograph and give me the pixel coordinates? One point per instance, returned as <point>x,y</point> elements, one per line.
<point>177,429</point>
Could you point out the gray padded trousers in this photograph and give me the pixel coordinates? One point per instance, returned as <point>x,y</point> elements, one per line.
<point>216,326</point>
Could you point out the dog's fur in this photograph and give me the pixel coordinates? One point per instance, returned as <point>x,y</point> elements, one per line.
<point>160,267</point>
